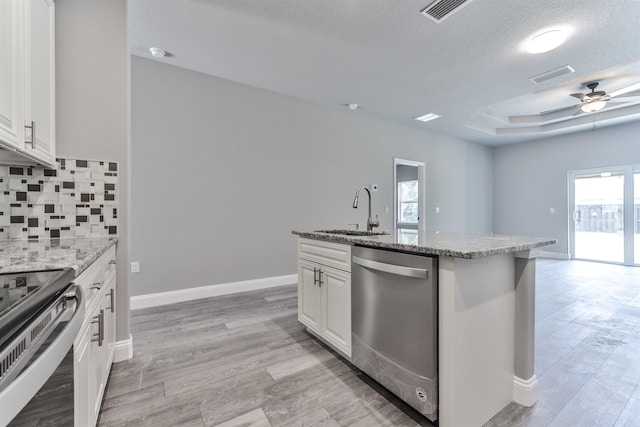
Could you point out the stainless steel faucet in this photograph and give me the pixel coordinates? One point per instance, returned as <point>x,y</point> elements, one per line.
<point>371,223</point>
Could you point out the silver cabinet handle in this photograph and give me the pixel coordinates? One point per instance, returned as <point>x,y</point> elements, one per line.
<point>315,272</point>
<point>102,327</point>
<point>33,134</point>
<point>111,304</point>
<point>113,262</point>
<point>418,273</point>
<point>320,282</point>
<point>96,285</point>
<point>99,319</point>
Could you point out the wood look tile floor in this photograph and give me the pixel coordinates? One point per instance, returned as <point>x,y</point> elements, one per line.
<point>244,360</point>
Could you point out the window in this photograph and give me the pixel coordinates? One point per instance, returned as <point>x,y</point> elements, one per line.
<point>408,202</point>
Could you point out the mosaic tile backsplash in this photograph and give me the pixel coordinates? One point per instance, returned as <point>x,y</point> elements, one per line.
<point>79,199</point>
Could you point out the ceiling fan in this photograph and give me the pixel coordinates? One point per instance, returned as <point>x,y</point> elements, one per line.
<point>593,101</point>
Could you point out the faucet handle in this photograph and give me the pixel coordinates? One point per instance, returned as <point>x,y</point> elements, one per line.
<point>356,224</point>
<point>373,223</point>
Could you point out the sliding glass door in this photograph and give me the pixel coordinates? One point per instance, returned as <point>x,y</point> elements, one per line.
<point>636,215</point>
<point>605,214</point>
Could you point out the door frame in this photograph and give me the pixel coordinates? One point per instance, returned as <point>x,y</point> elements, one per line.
<point>422,223</point>
<point>628,208</point>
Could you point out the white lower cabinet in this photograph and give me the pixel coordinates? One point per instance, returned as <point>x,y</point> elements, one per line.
<point>324,291</point>
<point>94,347</point>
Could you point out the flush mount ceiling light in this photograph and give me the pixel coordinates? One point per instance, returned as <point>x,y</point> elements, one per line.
<point>427,117</point>
<point>546,41</point>
<point>353,106</point>
<point>157,52</point>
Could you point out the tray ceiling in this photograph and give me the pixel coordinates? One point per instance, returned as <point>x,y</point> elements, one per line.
<point>397,64</point>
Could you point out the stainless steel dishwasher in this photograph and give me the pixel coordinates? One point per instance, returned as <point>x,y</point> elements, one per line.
<point>394,319</point>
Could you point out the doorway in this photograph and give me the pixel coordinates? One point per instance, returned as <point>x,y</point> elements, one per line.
<point>408,194</point>
<point>604,214</point>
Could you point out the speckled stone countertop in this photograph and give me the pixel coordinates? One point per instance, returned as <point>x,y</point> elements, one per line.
<point>28,255</point>
<point>458,245</point>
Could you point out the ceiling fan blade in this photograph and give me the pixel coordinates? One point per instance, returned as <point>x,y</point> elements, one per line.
<point>559,109</point>
<point>580,96</point>
<point>627,99</point>
<point>624,90</point>
<point>609,104</point>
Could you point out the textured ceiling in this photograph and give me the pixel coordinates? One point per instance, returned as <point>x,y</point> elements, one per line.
<point>398,64</point>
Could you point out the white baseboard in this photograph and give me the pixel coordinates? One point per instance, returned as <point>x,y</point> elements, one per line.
<point>124,350</point>
<point>553,255</point>
<point>525,392</point>
<point>171,297</point>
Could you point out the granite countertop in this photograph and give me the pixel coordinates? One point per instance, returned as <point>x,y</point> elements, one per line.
<point>458,245</point>
<point>17,256</point>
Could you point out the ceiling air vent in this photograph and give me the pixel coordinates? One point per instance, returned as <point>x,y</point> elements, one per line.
<point>552,74</point>
<point>440,9</point>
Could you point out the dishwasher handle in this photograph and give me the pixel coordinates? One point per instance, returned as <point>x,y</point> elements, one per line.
<point>418,273</point>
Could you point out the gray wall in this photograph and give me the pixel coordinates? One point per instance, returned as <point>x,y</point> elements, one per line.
<point>92,103</point>
<point>531,177</point>
<point>222,172</point>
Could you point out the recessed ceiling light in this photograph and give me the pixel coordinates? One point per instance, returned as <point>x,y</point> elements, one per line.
<point>546,41</point>
<point>427,117</point>
<point>353,106</point>
<point>157,52</point>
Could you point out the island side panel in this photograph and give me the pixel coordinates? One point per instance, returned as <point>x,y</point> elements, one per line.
<point>525,384</point>
<point>476,338</point>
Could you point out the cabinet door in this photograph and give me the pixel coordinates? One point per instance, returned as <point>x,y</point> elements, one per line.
<point>109,323</point>
<point>40,78</point>
<point>336,296</point>
<point>10,82</point>
<point>81,378</point>
<point>96,375</point>
<point>309,298</point>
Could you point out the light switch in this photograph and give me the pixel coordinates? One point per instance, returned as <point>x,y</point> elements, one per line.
<point>552,210</point>
<point>437,209</point>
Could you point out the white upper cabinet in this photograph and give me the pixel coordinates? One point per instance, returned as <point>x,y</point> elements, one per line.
<point>27,78</point>
<point>40,81</point>
<point>10,81</point>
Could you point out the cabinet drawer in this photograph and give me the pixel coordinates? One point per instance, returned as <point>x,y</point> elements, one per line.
<point>95,275</point>
<point>332,254</point>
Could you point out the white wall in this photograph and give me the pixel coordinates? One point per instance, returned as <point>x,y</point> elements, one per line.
<point>531,177</point>
<point>92,103</point>
<point>222,172</point>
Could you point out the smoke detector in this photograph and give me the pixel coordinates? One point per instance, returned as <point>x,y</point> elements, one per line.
<point>157,52</point>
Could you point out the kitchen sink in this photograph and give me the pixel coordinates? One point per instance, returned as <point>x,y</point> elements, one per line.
<point>355,232</point>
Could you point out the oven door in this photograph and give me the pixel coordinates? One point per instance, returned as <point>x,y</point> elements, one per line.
<point>37,365</point>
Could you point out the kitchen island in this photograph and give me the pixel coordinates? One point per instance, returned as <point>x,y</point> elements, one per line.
<point>486,306</point>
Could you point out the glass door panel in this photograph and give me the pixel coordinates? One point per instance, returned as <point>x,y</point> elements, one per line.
<point>599,217</point>
<point>636,218</point>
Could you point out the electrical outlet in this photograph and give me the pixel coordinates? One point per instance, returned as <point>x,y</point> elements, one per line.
<point>135,267</point>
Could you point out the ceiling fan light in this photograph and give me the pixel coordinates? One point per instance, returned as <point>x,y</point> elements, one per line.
<point>593,106</point>
<point>546,41</point>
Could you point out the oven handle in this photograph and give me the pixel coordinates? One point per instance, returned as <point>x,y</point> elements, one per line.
<point>17,394</point>
<point>418,273</point>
